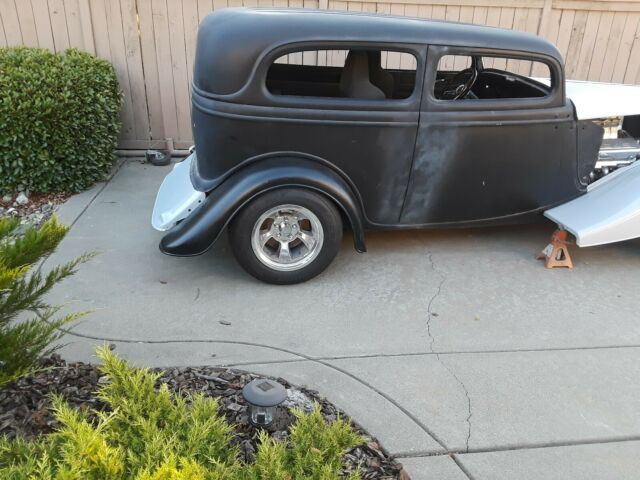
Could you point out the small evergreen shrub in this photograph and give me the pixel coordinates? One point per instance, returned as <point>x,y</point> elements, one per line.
<point>59,120</point>
<point>23,341</point>
<point>155,435</point>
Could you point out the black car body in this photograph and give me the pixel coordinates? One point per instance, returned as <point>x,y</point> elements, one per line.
<point>390,148</point>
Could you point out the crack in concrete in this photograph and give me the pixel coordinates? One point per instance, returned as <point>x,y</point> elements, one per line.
<point>303,356</point>
<point>430,315</point>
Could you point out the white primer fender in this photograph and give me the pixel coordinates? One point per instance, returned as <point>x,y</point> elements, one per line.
<point>176,198</point>
<point>601,100</point>
<point>609,211</point>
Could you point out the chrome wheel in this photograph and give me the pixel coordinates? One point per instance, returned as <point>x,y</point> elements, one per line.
<point>287,237</point>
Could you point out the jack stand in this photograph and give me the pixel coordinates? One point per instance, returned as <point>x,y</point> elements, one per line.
<point>556,254</point>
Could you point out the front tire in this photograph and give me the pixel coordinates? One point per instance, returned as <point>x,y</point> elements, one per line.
<point>286,236</point>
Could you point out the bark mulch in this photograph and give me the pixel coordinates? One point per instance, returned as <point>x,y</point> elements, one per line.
<point>25,407</point>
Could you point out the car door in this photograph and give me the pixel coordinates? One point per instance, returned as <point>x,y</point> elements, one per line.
<point>368,135</point>
<point>491,159</point>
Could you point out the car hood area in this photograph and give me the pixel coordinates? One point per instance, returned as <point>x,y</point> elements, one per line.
<point>601,100</point>
<point>594,100</point>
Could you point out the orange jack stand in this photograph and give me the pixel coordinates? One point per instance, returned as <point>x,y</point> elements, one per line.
<point>556,254</point>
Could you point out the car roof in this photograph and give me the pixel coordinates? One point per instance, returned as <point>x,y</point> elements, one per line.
<point>232,39</point>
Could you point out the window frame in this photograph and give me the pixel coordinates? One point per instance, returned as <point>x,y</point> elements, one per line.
<point>412,102</point>
<point>555,98</point>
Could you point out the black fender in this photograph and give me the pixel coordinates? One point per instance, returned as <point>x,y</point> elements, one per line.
<point>199,231</point>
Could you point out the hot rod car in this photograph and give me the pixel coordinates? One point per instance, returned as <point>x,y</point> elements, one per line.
<point>308,121</point>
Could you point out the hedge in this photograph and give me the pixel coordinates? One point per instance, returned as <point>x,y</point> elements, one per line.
<point>59,120</point>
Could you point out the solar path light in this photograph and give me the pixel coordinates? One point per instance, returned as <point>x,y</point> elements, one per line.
<point>263,397</point>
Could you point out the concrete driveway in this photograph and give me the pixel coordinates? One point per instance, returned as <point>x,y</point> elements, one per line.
<point>457,349</point>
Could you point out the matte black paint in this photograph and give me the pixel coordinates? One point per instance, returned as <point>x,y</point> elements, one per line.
<point>589,140</point>
<point>476,162</point>
<point>373,149</point>
<point>233,41</point>
<point>200,230</point>
<point>631,125</point>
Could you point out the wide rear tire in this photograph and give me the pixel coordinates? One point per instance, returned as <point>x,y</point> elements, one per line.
<point>286,236</point>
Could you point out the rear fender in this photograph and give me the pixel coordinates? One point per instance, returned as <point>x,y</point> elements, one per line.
<point>199,231</point>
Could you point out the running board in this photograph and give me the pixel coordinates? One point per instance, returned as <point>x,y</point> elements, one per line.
<point>609,212</point>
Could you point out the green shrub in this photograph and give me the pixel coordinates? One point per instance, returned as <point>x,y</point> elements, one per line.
<point>59,120</point>
<point>23,341</point>
<point>155,435</point>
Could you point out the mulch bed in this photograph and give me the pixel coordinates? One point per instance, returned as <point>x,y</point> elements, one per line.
<point>25,407</point>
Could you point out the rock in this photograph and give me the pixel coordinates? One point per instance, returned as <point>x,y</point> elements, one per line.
<point>235,407</point>
<point>297,399</point>
<point>22,199</point>
<point>46,208</point>
<point>7,198</point>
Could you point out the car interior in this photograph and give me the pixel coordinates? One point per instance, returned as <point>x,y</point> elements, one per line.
<point>362,76</point>
<point>475,78</point>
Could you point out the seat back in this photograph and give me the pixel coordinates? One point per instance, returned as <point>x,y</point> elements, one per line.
<point>355,81</point>
<point>378,75</point>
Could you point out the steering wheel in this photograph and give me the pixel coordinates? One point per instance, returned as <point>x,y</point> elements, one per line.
<point>457,86</point>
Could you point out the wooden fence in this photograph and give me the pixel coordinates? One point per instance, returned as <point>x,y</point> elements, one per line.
<point>151,42</point>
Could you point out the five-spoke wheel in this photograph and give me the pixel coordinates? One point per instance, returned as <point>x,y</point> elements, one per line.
<point>286,236</point>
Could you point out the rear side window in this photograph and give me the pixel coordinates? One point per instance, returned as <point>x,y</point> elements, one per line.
<point>467,77</point>
<point>362,74</point>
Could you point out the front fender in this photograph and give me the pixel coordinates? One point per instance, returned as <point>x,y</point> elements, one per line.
<point>198,232</point>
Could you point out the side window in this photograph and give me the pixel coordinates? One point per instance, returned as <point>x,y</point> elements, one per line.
<point>473,77</point>
<point>364,74</point>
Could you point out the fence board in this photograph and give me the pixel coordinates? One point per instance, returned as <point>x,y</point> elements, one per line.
<point>117,47</point>
<point>626,43</point>
<point>133,58</point>
<point>3,38</point>
<point>600,47</point>
<point>179,66</point>
<point>587,45</point>
<point>87,29</point>
<point>575,42</point>
<point>480,15</point>
<point>165,70</point>
<point>632,73</point>
<point>150,72</point>
<point>151,43</point>
<point>42,20</point>
<point>100,29</point>
<point>191,20</point>
<point>13,35</point>
<point>613,44</point>
<point>74,25</point>
<point>27,23</point>
<point>425,11</point>
<point>59,25</point>
<point>204,8</point>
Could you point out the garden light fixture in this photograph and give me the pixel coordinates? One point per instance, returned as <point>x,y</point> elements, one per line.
<point>263,397</point>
